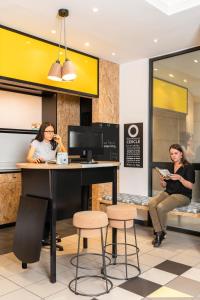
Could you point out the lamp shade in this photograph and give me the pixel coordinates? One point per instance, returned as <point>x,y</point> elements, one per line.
<point>55,71</point>
<point>68,71</point>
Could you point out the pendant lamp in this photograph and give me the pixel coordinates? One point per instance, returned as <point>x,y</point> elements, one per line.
<point>67,72</point>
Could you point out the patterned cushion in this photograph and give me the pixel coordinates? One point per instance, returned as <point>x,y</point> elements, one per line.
<point>193,207</point>
<point>128,198</point>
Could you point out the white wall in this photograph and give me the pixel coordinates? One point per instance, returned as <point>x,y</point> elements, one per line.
<point>19,110</point>
<point>134,107</point>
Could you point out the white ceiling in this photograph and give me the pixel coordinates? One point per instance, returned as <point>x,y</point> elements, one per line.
<point>126,27</point>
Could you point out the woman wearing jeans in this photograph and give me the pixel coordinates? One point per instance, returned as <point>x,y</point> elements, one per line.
<point>178,192</point>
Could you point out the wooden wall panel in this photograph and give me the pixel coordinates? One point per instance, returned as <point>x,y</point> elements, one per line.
<point>10,186</point>
<point>106,109</point>
<point>68,113</point>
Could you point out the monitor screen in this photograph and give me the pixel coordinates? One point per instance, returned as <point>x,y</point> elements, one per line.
<point>84,138</point>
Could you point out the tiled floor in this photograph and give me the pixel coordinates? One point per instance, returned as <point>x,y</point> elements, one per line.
<point>169,272</point>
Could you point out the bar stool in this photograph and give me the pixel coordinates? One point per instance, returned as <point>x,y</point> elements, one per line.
<point>122,217</point>
<point>90,224</point>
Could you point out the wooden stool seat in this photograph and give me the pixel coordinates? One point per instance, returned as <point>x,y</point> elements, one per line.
<point>89,222</point>
<point>118,214</point>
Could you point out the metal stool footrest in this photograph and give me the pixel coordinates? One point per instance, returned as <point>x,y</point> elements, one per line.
<point>123,263</point>
<point>87,254</point>
<point>130,254</point>
<point>125,277</point>
<point>74,290</point>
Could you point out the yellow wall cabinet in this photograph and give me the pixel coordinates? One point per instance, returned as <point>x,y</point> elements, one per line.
<point>26,59</point>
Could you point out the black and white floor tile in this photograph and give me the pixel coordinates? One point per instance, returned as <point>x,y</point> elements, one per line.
<point>169,272</point>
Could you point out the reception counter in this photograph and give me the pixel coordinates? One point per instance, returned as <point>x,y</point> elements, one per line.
<point>60,190</point>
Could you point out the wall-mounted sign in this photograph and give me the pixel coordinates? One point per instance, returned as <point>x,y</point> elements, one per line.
<point>110,141</point>
<point>133,145</point>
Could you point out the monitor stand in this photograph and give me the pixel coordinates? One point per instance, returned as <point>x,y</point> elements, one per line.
<point>89,159</point>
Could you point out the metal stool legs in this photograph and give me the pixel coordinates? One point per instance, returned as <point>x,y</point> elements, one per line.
<point>126,255</point>
<point>108,282</point>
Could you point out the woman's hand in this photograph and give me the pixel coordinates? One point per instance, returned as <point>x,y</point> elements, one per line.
<point>38,160</point>
<point>162,181</point>
<point>175,177</point>
<point>57,138</point>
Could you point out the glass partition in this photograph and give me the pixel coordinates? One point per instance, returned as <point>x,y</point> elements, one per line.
<point>175,118</point>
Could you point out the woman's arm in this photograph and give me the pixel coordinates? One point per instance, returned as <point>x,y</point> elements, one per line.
<point>30,154</point>
<point>61,147</point>
<point>182,180</point>
<point>185,182</point>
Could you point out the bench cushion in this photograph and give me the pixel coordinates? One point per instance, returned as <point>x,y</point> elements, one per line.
<point>193,207</point>
<point>128,198</point>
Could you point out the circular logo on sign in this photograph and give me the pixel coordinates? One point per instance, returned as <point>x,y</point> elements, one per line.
<point>133,131</point>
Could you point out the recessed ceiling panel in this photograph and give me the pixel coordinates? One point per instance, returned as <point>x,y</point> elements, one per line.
<point>170,7</point>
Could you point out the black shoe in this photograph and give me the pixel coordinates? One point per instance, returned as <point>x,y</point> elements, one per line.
<point>163,233</point>
<point>158,239</point>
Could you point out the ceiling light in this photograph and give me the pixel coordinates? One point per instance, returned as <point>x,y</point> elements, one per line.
<point>171,75</point>
<point>155,41</point>
<point>87,44</point>
<point>185,80</point>
<point>53,31</point>
<point>66,72</point>
<point>196,61</point>
<point>113,53</point>
<point>95,9</point>
<point>155,69</point>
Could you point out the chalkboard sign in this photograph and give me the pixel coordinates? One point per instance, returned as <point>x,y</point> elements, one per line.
<point>133,145</point>
<point>111,142</point>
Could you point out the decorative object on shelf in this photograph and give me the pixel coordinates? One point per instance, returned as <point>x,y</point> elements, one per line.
<point>65,72</point>
<point>35,125</point>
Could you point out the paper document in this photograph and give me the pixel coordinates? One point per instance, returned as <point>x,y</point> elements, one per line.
<point>163,172</point>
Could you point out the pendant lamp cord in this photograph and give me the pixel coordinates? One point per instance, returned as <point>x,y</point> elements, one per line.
<point>65,40</point>
<point>60,40</point>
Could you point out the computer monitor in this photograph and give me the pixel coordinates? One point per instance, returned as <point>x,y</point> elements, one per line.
<point>85,141</point>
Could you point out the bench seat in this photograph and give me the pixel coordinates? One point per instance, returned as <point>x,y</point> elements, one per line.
<point>141,202</point>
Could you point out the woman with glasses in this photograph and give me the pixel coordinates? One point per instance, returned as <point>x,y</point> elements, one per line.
<point>45,145</point>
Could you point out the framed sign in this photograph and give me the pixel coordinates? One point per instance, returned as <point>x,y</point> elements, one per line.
<point>133,145</point>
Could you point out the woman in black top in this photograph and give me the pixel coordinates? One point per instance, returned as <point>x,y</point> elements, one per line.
<point>178,192</point>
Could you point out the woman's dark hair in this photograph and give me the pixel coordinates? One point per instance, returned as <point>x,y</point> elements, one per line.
<point>40,136</point>
<point>179,148</point>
